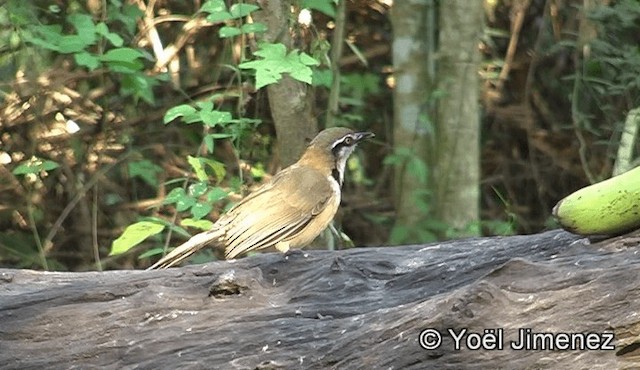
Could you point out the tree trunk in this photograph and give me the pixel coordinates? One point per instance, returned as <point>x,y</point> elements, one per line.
<point>291,101</point>
<point>362,308</point>
<point>411,58</point>
<point>457,169</point>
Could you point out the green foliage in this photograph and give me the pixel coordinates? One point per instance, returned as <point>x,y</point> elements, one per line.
<point>146,170</point>
<point>218,12</point>
<point>275,61</point>
<point>82,44</point>
<point>355,88</point>
<point>615,64</point>
<point>134,234</point>
<point>406,157</point>
<point>205,113</point>
<point>35,166</point>
<point>327,7</point>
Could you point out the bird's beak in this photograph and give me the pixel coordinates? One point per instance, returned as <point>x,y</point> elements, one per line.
<point>360,136</point>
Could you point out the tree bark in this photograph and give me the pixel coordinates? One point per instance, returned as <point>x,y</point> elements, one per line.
<point>290,101</point>
<point>411,59</point>
<point>457,168</point>
<point>351,309</point>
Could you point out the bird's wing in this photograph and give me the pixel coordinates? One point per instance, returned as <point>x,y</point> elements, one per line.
<point>278,211</point>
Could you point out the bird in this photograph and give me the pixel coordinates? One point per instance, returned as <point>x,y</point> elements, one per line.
<point>290,210</point>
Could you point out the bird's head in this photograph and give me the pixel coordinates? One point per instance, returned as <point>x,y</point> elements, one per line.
<point>331,148</point>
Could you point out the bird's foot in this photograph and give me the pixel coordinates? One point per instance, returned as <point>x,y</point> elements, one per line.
<point>294,253</point>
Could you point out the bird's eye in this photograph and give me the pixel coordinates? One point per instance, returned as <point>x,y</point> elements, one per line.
<point>348,140</point>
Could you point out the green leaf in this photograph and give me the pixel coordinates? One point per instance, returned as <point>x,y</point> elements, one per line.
<point>306,59</point>
<point>138,85</point>
<point>71,44</point>
<point>35,166</point>
<point>151,252</point>
<point>124,55</point>
<point>228,31</point>
<point>84,26</point>
<point>214,117</point>
<point>242,10</point>
<point>209,142</point>
<point>199,210</point>
<point>185,203</point>
<point>216,194</point>
<point>88,60</point>
<point>113,38</point>
<point>174,195</point>
<point>178,111</point>
<point>253,28</point>
<point>204,225</point>
<point>217,168</point>
<point>198,189</point>
<point>146,170</point>
<point>198,167</point>
<point>275,62</point>
<point>217,11</point>
<point>324,6</point>
<point>134,235</point>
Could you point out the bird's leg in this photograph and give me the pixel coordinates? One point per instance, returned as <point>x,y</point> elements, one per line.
<point>283,247</point>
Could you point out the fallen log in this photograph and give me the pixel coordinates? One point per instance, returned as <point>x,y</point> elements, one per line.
<point>351,309</point>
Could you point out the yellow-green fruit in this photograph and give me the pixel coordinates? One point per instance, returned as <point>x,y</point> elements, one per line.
<point>608,207</point>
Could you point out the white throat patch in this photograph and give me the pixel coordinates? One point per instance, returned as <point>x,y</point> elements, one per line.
<point>341,160</point>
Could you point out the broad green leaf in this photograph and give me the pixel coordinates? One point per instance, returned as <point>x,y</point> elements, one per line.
<point>84,26</point>
<point>242,10</point>
<point>217,11</point>
<point>151,252</point>
<point>185,203</point>
<point>178,111</point>
<point>253,28</point>
<point>174,195</point>
<point>138,85</point>
<point>146,170</point>
<point>205,105</point>
<point>134,235</point>
<point>204,225</point>
<point>71,44</point>
<point>35,166</point>
<point>216,167</point>
<point>199,210</point>
<point>198,189</point>
<point>114,38</point>
<point>324,6</point>
<point>307,60</point>
<point>127,55</point>
<point>88,60</point>
<point>266,77</point>
<point>275,62</point>
<point>198,167</point>
<point>214,118</point>
<point>209,142</point>
<point>228,31</point>
<point>216,194</point>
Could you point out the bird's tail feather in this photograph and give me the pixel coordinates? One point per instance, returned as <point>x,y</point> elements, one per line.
<point>186,249</point>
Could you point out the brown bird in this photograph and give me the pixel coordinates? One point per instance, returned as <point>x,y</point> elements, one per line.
<point>287,212</point>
